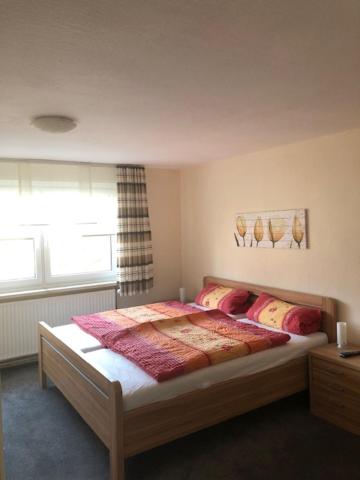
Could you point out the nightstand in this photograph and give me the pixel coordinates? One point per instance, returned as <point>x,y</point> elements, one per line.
<point>335,386</point>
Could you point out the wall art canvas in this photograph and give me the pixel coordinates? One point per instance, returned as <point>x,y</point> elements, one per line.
<point>276,229</point>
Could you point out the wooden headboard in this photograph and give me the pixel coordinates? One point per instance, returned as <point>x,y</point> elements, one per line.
<point>326,304</point>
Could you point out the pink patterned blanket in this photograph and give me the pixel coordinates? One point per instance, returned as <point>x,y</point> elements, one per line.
<point>170,339</point>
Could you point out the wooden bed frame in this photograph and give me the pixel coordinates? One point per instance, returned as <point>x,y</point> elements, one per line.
<point>98,398</point>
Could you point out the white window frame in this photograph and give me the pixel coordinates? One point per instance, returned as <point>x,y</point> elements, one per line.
<point>44,279</point>
<point>24,233</point>
<point>95,183</point>
<point>81,278</point>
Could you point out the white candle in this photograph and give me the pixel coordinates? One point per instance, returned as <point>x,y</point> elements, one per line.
<point>341,334</point>
<point>182,294</point>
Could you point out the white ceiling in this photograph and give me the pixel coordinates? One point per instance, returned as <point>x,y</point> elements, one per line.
<point>171,82</point>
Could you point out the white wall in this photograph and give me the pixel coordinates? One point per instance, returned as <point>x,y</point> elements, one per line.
<point>322,175</point>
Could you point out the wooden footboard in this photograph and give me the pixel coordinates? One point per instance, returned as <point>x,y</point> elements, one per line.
<point>97,398</point>
<point>158,423</point>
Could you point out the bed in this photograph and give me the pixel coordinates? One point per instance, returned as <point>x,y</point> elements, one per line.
<point>130,420</point>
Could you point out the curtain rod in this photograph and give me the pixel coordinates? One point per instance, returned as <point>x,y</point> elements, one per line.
<point>70,162</point>
<point>94,164</point>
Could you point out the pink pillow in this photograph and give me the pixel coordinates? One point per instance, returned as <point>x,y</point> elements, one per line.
<point>228,300</point>
<point>285,316</point>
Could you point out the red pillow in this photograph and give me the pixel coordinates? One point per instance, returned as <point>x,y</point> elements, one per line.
<point>285,316</point>
<point>228,300</point>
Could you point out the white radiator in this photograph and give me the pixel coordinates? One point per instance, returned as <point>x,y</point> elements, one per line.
<point>18,320</point>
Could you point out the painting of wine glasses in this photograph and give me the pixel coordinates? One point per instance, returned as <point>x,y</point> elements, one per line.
<point>273,229</point>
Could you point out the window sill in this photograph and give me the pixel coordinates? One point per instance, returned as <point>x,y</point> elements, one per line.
<point>53,292</point>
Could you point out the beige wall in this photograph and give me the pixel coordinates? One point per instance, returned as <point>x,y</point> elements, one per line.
<point>163,188</point>
<point>322,175</point>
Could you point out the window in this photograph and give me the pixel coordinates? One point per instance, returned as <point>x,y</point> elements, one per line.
<point>18,257</point>
<point>57,225</point>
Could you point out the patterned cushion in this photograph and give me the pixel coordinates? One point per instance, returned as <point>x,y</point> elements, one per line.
<point>228,300</point>
<point>285,316</point>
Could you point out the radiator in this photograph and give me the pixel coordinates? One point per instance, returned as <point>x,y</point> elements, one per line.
<point>18,320</point>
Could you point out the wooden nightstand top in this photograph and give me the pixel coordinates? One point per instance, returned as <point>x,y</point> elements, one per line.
<point>331,352</point>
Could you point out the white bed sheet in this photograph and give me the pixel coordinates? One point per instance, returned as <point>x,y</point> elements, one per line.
<point>140,389</point>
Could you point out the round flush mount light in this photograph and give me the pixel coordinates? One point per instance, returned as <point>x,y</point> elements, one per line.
<point>54,123</point>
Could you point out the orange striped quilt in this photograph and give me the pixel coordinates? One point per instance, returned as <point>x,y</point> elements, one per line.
<point>171,346</point>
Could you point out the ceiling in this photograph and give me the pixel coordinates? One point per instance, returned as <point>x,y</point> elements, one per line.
<point>173,82</point>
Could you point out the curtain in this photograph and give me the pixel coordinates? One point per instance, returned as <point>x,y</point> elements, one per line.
<point>134,247</point>
<point>34,193</point>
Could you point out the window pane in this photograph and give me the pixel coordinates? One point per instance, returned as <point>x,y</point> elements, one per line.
<point>75,254</point>
<point>17,259</point>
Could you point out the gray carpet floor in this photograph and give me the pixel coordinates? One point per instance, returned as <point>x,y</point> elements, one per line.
<point>45,439</point>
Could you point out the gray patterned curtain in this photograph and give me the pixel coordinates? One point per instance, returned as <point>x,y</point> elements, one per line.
<point>134,248</point>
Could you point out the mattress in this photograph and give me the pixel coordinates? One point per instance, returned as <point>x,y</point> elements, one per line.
<point>140,389</point>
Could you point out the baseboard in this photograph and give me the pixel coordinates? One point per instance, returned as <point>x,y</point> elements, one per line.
<point>15,362</point>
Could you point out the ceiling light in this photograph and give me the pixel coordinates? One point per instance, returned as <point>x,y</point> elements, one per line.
<point>54,123</point>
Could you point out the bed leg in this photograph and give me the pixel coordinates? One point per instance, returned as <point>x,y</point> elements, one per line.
<point>117,470</point>
<point>42,378</point>
<point>117,460</point>
<point>42,374</point>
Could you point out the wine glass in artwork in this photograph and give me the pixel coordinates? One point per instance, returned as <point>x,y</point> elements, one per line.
<point>258,230</point>
<point>241,227</point>
<point>297,231</point>
<point>277,228</point>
